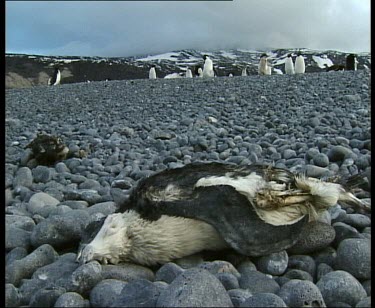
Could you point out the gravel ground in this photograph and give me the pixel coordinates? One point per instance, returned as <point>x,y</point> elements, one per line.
<point>318,123</point>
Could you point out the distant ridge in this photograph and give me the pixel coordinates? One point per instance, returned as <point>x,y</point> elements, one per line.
<point>34,70</point>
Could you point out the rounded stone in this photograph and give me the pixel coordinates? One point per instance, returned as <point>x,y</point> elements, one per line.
<point>106,292</point>
<point>71,299</point>
<point>168,272</point>
<point>195,288</point>
<point>340,286</point>
<point>314,236</point>
<point>354,257</point>
<point>274,263</point>
<point>264,300</point>
<point>301,293</point>
<point>257,282</point>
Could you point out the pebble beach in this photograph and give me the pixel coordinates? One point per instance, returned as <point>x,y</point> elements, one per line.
<point>316,123</point>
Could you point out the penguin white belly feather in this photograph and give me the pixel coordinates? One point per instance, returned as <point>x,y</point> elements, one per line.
<point>300,65</point>
<point>289,67</point>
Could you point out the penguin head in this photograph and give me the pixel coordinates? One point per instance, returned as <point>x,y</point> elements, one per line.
<point>264,55</point>
<point>289,55</point>
<point>153,65</point>
<point>205,57</point>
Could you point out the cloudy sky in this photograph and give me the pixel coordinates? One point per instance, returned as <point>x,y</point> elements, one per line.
<point>126,28</point>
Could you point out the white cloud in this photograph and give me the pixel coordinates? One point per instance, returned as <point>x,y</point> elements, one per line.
<point>107,28</point>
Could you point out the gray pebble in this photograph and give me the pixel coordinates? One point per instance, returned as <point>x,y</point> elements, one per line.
<point>264,300</point>
<point>71,299</point>
<point>354,257</point>
<point>366,302</point>
<point>229,281</point>
<point>239,296</point>
<point>340,286</point>
<point>46,297</point>
<point>301,293</point>
<point>25,267</point>
<point>322,270</point>
<point>15,254</point>
<point>63,267</point>
<point>84,278</point>
<point>315,171</point>
<point>194,288</point>
<point>39,201</point>
<point>314,236</point>
<point>298,274</point>
<point>338,153</point>
<point>344,231</point>
<point>41,174</point>
<point>302,262</point>
<point>321,160</point>
<point>168,272</point>
<point>16,237</point>
<point>219,266</point>
<point>273,264</point>
<point>358,221</point>
<point>257,282</point>
<point>127,272</point>
<point>28,288</point>
<point>60,231</point>
<point>138,293</point>
<point>326,255</point>
<point>106,292</point>
<point>24,177</point>
<point>105,208</point>
<point>367,286</point>
<point>12,298</point>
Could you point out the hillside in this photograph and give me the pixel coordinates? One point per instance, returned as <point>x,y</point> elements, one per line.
<point>24,71</point>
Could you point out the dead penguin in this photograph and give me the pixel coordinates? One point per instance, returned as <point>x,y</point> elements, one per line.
<point>255,210</point>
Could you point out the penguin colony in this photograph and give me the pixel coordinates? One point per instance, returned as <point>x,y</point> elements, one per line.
<point>264,67</point>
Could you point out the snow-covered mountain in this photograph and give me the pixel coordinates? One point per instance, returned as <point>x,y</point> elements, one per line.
<point>35,70</point>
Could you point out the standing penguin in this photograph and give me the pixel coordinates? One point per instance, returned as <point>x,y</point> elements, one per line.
<point>208,67</point>
<point>351,62</point>
<point>55,80</point>
<point>152,73</point>
<point>263,67</point>
<point>300,64</point>
<point>244,72</point>
<point>188,73</point>
<point>289,66</point>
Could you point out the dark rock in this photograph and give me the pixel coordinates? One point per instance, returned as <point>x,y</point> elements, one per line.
<point>264,300</point>
<point>127,272</point>
<point>46,297</point>
<point>137,293</point>
<point>340,286</point>
<point>338,153</point>
<point>12,298</point>
<point>16,237</point>
<point>257,282</point>
<point>229,281</point>
<point>366,302</point>
<point>354,257</point>
<point>168,272</point>
<point>194,288</point>
<point>322,270</point>
<point>71,299</point>
<point>25,267</point>
<point>304,263</point>
<point>298,274</point>
<point>314,236</point>
<point>344,231</point>
<point>239,296</point>
<point>218,266</point>
<point>301,293</point>
<point>273,264</point>
<point>106,292</point>
<point>15,254</point>
<point>41,174</point>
